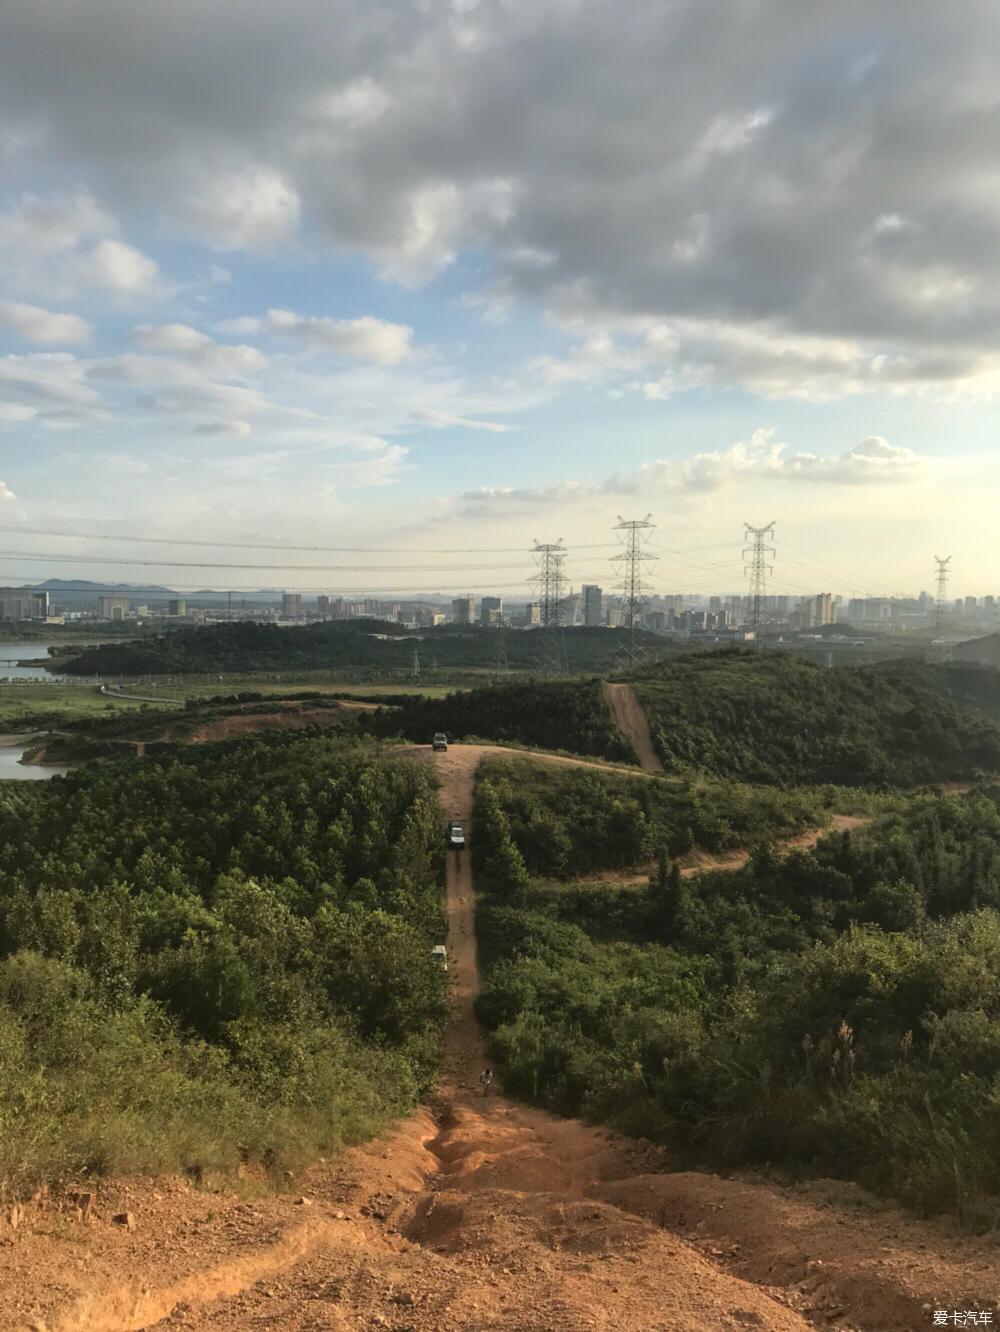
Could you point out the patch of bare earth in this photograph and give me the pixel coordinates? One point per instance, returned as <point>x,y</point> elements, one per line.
<point>629,717</point>
<point>244,723</point>
<point>477,1214</point>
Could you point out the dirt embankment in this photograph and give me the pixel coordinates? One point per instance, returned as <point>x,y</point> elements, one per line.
<point>480,1214</point>
<point>629,717</point>
<point>244,723</point>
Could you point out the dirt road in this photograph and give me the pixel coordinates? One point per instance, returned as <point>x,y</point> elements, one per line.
<point>478,1215</point>
<point>626,710</point>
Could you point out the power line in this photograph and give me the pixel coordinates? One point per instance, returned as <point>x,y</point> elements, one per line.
<point>270,568</point>
<point>257,545</point>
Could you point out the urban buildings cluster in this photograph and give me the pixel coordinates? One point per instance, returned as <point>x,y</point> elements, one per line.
<point>688,615</point>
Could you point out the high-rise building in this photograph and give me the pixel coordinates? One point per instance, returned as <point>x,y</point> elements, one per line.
<point>971,605</point>
<point>593,605</point>
<point>463,610</point>
<point>323,607</point>
<point>291,605</point>
<point>113,606</point>
<point>817,611</point>
<point>533,612</point>
<point>177,606</point>
<point>23,603</point>
<point>490,610</point>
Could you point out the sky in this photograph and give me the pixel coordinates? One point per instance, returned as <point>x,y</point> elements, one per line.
<point>377,294</point>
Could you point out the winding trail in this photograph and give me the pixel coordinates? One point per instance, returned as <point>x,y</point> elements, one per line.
<point>476,1215</point>
<point>628,715</point>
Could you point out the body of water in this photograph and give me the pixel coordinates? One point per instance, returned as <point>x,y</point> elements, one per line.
<point>11,766</point>
<point>12,653</point>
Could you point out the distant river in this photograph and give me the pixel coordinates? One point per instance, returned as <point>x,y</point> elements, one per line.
<point>10,765</point>
<point>11,653</point>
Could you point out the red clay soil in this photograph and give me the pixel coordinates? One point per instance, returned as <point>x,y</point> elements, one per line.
<point>477,1215</point>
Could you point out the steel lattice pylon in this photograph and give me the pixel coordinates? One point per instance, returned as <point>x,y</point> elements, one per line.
<point>941,605</point>
<point>758,569</point>
<point>501,671</point>
<point>550,583</point>
<point>628,566</point>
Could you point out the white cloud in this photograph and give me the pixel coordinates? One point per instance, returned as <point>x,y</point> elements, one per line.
<point>6,493</point>
<point>38,325</point>
<point>224,360</point>
<point>873,462</point>
<point>234,429</point>
<point>427,416</point>
<point>119,267</point>
<point>48,387</point>
<point>170,338</point>
<point>66,245</point>
<point>768,166</point>
<point>364,339</point>
<point>251,209</point>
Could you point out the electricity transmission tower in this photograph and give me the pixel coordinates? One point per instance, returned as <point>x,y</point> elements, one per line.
<point>628,566</point>
<point>755,562</point>
<point>501,671</point>
<point>941,604</point>
<point>550,583</point>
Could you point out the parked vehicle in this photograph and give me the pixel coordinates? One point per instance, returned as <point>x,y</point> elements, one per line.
<point>440,955</point>
<point>440,740</point>
<point>456,836</point>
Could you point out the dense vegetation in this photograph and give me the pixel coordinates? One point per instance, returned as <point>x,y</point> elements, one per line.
<point>218,956</point>
<point>569,715</point>
<point>969,684</point>
<point>247,646</point>
<point>567,822</point>
<point>833,1011</point>
<point>780,719</point>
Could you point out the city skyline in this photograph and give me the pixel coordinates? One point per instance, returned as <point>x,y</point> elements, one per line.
<point>459,276</point>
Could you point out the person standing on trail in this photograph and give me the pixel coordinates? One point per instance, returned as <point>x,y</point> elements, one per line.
<point>486,1077</point>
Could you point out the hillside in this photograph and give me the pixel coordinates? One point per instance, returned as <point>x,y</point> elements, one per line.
<point>833,1010</point>
<point>217,957</point>
<point>778,720</point>
<point>561,714</point>
<point>781,719</point>
<point>246,647</point>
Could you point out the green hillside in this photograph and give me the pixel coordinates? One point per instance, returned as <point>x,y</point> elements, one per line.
<point>218,956</point>
<point>337,645</point>
<point>762,717</point>
<point>833,1011</point>
<point>758,718</point>
<point>560,714</point>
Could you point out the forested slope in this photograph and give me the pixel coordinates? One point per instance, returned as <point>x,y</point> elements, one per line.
<point>763,717</point>
<point>562,714</point>
<point>246,646</point>
<point>833,1011</point>
<point>753,717</point>
<point>219,956</point>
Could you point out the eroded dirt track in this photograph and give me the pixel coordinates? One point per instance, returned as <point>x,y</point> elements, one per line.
<point>478,1214</point>
<point>629,717</point>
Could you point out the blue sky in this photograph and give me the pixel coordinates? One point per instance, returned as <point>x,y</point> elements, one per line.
<point>456,275</point>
